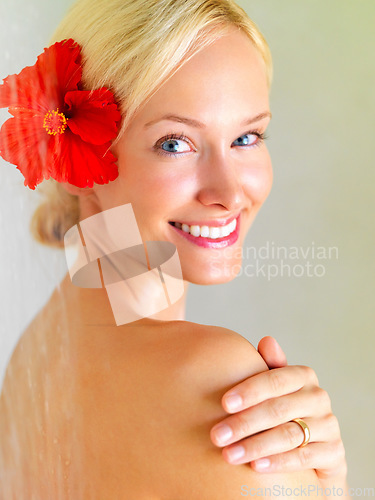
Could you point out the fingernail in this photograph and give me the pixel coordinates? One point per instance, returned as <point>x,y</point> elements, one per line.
<point>222,433</point>
<point>233,401</point>
<point>236,453</point>
<point>262,463</point>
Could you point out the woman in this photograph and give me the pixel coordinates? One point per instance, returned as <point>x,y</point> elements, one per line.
<point>140,401</point>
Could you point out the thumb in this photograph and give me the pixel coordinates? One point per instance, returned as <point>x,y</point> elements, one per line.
<point>272,353</point>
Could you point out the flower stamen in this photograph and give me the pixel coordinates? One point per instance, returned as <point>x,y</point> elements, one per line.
<point>55,122</point>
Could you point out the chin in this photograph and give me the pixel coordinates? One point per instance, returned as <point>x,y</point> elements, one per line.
<point>214,273</point>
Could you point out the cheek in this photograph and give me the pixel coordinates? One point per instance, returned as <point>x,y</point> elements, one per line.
<point>161,184</point>
<point>155,190</point>
<point>257,180</point>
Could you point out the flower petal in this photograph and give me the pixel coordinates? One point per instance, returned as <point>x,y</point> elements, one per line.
<point>23,91</point>
<point>79,154</point>
<point>82,164</point>
<point>42,87</point>
<point>62,59</point>
<point>93,115</point>
<point>25,143</point>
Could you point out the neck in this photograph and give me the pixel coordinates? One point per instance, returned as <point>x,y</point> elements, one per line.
<point>93,305</point>
<point>174,312</point>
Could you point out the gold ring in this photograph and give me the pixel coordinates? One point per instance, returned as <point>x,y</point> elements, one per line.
<point>306,431</point>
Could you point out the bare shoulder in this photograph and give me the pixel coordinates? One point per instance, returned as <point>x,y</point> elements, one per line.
<point>185,379</point>
<point>221,347</point>
<point>127,413</point>
<point>222,359</point>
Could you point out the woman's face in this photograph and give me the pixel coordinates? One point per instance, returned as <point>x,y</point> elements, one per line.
<point>193,155</point>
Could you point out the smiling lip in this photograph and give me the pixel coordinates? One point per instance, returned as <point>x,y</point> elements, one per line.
<point>224,242</point>
<point>210,223</point>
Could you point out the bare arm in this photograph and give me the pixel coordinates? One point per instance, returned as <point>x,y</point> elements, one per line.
<point>223,358</point>
<point>264,426</point>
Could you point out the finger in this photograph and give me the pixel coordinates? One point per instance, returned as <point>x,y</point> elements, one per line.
<point>309,402</point>
<point>272,353</point>
<point>278,440</point>
<point>281,439</point>
<point>266,385</point>
<point>327,458</point>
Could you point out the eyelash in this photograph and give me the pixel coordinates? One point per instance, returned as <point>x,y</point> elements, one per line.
<point>261,138</point>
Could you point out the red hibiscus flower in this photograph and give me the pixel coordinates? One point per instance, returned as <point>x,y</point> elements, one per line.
<point>57,129</point>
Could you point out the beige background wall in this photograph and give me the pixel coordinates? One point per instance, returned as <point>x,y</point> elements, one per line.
<point>321,141</point>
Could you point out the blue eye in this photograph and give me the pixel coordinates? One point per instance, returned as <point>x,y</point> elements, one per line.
<point>172,145</point>
<point>251,139</point>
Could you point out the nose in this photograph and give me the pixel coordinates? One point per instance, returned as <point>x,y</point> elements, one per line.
<point>220,184</point>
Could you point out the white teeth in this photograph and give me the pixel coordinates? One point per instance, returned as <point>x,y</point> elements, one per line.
<point>233,225</point>
<point>195,230</point>
<point>215,232</point>
<point>225,231</point>
<point>208,231</point>
<point>205,231</point>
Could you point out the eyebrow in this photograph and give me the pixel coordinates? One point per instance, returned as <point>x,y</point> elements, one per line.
<point>197,124</point>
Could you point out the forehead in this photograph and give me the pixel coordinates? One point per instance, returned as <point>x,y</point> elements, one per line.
<point>227,76</point>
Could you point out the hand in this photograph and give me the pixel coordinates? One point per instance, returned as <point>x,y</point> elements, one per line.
<point>261,421</point>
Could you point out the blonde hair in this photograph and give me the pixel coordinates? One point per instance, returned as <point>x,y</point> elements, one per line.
<point>133,47</point>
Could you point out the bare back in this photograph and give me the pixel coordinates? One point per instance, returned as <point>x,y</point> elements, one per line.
<point>93,412</point>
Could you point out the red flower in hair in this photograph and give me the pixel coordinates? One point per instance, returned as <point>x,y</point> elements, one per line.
<point>57,129</point>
